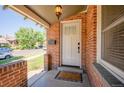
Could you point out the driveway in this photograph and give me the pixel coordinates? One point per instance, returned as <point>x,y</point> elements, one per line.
<point>28,52</point>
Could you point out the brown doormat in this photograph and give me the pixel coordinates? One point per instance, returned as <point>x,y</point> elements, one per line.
<point>69,76</point>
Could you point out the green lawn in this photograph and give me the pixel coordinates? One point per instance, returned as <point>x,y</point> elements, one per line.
<point>5,61</point>
<point>36,63</point>
<point>33,64</point>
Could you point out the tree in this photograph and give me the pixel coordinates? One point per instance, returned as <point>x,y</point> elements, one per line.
<point>40,37</point>
<point>28,37</point>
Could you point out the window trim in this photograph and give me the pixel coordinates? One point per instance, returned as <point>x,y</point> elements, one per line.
<point>112,69</point>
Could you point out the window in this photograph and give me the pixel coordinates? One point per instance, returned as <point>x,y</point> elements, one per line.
<point>113,46</point>
<point>110,39</point>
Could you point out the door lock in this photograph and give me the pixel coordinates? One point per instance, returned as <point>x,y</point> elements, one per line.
<point>78,49</point>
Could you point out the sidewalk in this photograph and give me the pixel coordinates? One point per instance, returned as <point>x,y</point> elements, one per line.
<point>32,57</point>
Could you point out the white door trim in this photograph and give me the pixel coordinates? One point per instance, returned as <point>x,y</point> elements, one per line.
<point>61,36</point>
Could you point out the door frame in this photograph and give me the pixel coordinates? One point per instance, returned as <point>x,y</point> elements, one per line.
<point>61,38</point>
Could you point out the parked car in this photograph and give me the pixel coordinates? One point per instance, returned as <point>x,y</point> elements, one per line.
<point>5,53</point>
<point>39,47</point>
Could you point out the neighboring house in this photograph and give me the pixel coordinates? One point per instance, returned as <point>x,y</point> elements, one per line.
<point>3,42</point>
<point>12,40</point>
<point>8,40</point>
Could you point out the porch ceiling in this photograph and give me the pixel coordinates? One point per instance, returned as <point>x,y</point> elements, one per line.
<point>47,12</point>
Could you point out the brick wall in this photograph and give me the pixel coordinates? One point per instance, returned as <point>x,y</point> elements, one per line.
<point>54,50</point>
<point>94,75</point>
<point>13,74</point>
<point>88,45</point>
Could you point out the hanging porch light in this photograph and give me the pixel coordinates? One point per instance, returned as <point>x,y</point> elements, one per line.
<point>58,11</point>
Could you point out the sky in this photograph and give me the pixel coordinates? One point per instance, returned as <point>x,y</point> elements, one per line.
<point>11,21</point>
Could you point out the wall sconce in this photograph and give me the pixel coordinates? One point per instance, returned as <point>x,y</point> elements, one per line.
<point>58,11</point>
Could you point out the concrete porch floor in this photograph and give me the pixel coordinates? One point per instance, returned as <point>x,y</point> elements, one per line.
<point>48,80</point>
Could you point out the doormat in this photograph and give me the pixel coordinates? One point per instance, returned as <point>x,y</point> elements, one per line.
<point>69,76</point>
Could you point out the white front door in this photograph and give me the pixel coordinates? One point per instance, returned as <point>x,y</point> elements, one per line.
<point>71,54</point>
